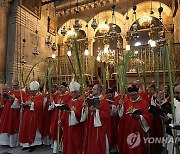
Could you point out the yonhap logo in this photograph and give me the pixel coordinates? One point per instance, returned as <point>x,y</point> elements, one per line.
<point>133,140</point>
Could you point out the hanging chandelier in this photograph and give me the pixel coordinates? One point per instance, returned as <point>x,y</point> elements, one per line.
<point>113,32</point>
<point>77,26</point>
<point>106,55</point>
<point>103,28</point>
<point>135,33</point>
<point>63,31</point>
<point>71,34</point>
<point>145,21</point>
<point>54,47</point>
<point>94,24</point>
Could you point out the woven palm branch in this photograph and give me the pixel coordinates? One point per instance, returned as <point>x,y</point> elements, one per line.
<point>28,76</point>
<point>79,65</point>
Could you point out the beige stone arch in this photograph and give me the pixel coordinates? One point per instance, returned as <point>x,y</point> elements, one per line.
<point>107,15</point>
<point>143,8</point>
<point>102,17</point>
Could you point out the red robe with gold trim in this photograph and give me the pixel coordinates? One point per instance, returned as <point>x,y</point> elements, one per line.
<point>95,137</point>
<point>47,115</point>
<point>55,116</point>
<point>32,120</point>
<point>130,125</point>
<point>72,135</point>
<point>114,124</point>
<point>10,118</point>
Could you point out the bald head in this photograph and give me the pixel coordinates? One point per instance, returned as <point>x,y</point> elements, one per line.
<point>6,89</point>
<point>97,90</point>
<point>177,92</point>
<point>137,83</point>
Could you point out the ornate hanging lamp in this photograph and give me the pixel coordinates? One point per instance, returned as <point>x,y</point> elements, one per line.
<point>63,31</point>
<point>77,26</point>
<point>134,32</point>
<point>151,11</point>
<point>94,23</point>
<point>113,32</point>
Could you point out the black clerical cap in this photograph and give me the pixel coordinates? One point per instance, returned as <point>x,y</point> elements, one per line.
<point>64,84</point>
<point>134,89</point>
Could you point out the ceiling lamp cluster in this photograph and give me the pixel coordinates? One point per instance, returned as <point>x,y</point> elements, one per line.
<point>113,32</point>
<point>103,28</point>
<point>94,23</point>
<point>145,21</point>
<point>76,26</point>
<point>134,32</point>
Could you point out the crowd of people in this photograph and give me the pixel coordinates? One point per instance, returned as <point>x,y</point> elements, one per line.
<point>98,122</point>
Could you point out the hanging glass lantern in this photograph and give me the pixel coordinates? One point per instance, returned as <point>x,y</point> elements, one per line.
<point>113,32</point>
<point>35,52</point>
<point>77,26</point>
<point>134,32</point>
<point>71,34</point>
<point>94,24</point>
<point>103,28</point>
<point>134,9</point>
<point>54,47</point>
<point>48,40</point>
<point>63,31</point>
<point>151,32</point>
<point>128,36</point>
<point>23,61</point>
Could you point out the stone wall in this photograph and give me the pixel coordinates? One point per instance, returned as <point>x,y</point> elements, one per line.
<point>23,25</point>
<point>3,30</point>
<point>176,22</point>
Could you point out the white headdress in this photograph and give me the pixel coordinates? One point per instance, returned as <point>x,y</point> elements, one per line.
<point>34,85</point>
<point>74,86</point>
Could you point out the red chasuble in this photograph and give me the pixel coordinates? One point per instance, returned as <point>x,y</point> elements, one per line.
<point>72,135</point>
<point>114,124</point>
<point>1,105</point>
<point>144,95</point>
<point>54,121</point>
<point>95,137</point>
<point>47,115</point>
<point>130,133</point>
<point>32,120</point>
<point>10,118</point>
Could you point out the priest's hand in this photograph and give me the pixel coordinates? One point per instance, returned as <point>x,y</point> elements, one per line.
<point>28,103</point>
<point>165,118</point>
<point>93,109</point>
<point>121,101</point>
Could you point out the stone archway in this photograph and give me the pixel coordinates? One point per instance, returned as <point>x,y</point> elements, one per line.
<point>143,9</point>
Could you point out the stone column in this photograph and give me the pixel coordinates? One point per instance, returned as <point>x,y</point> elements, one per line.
<point>4,7</point>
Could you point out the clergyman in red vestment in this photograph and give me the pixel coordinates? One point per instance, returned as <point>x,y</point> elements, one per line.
<point>70,120</point>
<point>32,125</point>
<point>135,124</point>
<point>97,118</point>
<point>10,119</point>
